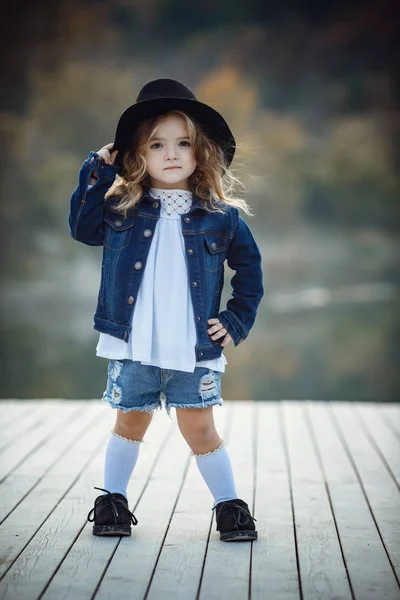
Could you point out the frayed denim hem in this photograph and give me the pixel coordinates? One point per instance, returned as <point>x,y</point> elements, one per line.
<point>150,408</point>
<point>212,402</point>
<point>204,404</point>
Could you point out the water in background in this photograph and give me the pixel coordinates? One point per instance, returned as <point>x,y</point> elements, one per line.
<point>327,327</point>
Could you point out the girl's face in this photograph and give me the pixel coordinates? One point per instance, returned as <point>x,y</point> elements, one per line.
<point>170,155</point>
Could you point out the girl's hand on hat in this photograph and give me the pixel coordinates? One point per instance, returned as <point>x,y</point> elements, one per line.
<point>219,331</point>
<point>106,155</point>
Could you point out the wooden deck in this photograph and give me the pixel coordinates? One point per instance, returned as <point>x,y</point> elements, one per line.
<point>322,479</point>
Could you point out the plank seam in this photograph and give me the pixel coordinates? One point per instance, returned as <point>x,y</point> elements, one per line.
<point>281,424</point>
<point>374,444</point>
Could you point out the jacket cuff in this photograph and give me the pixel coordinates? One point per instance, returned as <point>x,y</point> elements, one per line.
<point>100,169</point>
<point>234,326</point>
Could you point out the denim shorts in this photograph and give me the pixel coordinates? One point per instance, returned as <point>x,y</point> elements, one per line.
<point>133,386</point>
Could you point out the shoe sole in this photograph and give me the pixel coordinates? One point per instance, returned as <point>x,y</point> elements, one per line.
<point>238,536</point>
<point>111,530</point>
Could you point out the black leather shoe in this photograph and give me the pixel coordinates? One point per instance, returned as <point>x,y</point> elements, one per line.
<point>234,521</point>
<point>111,515</point>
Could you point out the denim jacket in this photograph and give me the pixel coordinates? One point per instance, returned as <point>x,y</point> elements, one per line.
<point>210,239</point>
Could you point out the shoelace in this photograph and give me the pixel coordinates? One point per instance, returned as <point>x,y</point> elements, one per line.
<point>113,502</point>
<point>232,508</point>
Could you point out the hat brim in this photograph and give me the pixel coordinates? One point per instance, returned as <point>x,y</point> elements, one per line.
<point>211,121</point>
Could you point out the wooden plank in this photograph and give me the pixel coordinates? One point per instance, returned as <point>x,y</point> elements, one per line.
<point>369,570</point>
<point>13,409</point>
<point>83,566</point>
<point>24,478</point>
<point>322,571</point>
<point>179,566</point>
<point>380,489</point>
<point>53,417</point>
<point>227,565</point>
<point>391,409</point>
<point>382,437</point>
<point>23,523</point>
<point>27,419</point>
<point>5,404</point>
<point>390,414</point>
<point>274,565</point>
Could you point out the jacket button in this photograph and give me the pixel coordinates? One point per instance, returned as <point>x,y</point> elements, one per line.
<point>147,232</point>
<point>155,204</point>
<point>118,223</point>
<point>201,353</point>
<point>214,246</point>
<point>187,220</point>
<point>138,265</point>
<point>91,160</point>
<point>190,251</point>
<point>194,283</point>
<point>131,300</point>
<point>198,318</point>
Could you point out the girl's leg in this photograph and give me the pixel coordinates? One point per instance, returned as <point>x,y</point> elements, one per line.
<point>198,428</point>
<point>132,424</point>
<point>123,449</point>
<point>212,458</point>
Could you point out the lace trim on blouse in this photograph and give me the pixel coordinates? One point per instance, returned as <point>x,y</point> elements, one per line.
<point>173,202</point>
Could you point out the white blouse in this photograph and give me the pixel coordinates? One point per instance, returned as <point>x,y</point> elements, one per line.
<point>163,326</point>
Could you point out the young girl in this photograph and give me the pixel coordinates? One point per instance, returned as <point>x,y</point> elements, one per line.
<point>159,202</point>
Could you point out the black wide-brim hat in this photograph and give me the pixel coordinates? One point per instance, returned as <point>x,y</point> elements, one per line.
<point>161,95</point>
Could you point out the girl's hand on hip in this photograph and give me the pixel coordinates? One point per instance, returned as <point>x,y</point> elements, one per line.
<point>219,331</point>
<point>106,156</point>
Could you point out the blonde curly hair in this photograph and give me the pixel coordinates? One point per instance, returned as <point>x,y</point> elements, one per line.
<point>212,180</point>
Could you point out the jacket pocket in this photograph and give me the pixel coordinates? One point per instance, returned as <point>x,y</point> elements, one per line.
<point>118,231</point>
<point>216,247</point>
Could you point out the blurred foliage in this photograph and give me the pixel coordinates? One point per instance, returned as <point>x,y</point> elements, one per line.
<point>309,92</point>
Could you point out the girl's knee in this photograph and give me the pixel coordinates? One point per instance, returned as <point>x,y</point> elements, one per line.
<point>196,423</point>
<point>132,424</point>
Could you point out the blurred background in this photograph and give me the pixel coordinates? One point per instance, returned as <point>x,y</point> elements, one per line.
<point>310,91</point>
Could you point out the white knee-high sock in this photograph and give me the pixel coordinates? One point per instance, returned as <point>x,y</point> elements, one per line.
<point>120,460</point>
<point>216,470</point>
